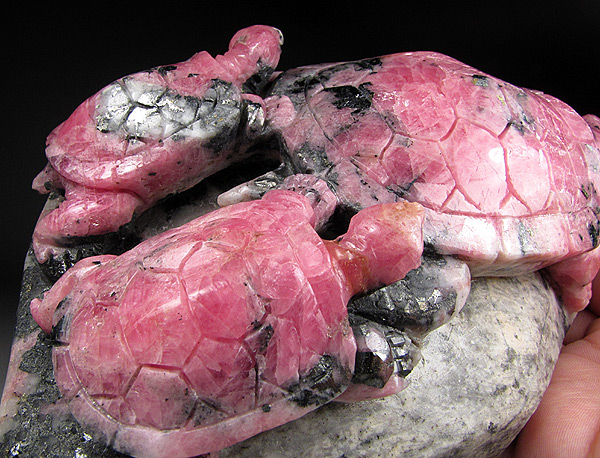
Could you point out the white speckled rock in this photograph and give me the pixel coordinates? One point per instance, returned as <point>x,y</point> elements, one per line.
<point>481,378</point>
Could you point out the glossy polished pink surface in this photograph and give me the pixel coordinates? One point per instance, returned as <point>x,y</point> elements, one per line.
<point>237,322</point>
<point>210,333</point>
<point>508,176</point>
<point>149,135</point>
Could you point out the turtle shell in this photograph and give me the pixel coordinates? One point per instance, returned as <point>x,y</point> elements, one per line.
<point>469,147</point>
<point>152,134</point>
<point>508,175</point>
<point>227,326</point>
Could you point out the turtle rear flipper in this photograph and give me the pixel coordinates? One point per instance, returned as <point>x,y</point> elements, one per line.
<point>572,279</point>
<point>255,188</point>
<point>89,215</point>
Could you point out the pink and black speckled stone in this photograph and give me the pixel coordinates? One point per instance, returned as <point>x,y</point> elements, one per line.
<point>215,331</point>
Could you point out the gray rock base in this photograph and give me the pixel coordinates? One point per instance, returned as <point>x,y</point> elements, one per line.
<point>481,378</point>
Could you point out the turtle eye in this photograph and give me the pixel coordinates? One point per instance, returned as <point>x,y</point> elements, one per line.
<point>280,36</point>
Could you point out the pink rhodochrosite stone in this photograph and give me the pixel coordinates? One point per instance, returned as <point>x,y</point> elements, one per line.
<point>508,176</point>
<point>247,318</point>
<point>232,324</point>
<point>152,134</point>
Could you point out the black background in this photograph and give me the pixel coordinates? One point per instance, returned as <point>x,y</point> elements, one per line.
<point>55,57</point>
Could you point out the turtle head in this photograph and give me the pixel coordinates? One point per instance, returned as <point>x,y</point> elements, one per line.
<point>253,56</point>
<point>259,42</point>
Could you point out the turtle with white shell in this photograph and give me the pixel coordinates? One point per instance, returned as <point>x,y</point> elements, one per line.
<point>152,134</point>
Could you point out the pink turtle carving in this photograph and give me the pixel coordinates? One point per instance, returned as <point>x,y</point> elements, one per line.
<point>238,321</point>
<point>508,176</point>
<point>227,326</point>
<point>152,134</point>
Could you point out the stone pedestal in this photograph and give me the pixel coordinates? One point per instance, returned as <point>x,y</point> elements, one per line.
<point>481,378</point>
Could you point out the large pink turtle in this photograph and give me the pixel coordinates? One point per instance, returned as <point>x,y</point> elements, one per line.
<point>508,176</point>
<point>152,134</point>
<point>230,325</point>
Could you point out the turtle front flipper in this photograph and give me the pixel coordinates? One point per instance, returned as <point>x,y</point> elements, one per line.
<point>321,197</point>
<point>255,188</point>
<point>389,324</point>
<point>572,279</point>
<point>93,212</point>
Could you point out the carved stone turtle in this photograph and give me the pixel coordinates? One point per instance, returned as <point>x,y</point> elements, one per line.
<point>508,176</point>
<point>232,324</point>
<point>152,134</point>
